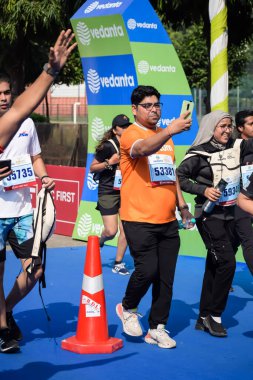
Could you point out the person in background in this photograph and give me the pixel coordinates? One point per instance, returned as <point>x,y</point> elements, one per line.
<point>149,195</point>
<point>18,137</point>
<point>245,198</point>
<point>215,156</point>
<point>105,165</point>
<point>243,220</point>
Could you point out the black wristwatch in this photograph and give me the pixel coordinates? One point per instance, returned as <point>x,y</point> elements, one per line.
<point>50,71</point>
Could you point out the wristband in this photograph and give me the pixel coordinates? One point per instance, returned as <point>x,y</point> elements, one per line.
<point>44,176</point>
<point>108,166</point>
<point>50,71</point>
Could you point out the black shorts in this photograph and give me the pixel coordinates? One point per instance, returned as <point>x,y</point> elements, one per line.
<point>108,204</point>
<point>19,233</point>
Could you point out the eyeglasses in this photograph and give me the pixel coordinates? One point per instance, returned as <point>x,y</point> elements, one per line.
<point>224,127</point>
<point>150,106</point>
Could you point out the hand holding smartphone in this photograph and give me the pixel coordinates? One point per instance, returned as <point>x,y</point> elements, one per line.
<point>5,164</point>
<point>187,106</point>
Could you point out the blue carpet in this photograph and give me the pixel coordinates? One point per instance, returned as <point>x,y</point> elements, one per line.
<point>197,356</point>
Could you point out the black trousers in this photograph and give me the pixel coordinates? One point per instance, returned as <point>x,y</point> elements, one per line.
<point>219,238</point>
<point>154,248</point>
<point>244,230</point>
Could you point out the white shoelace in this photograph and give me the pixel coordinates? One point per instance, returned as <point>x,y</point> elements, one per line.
<point>133,314</point>
<point>163,331</point>
<point>121,265</point>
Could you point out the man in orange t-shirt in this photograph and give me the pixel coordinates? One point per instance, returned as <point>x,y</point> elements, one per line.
<point>149,195</point>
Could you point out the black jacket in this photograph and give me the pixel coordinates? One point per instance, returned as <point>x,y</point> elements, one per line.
<point>195,175</point>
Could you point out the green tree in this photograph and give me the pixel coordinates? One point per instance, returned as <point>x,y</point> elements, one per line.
<point>193,53</point>
<point>27,29</point>
<point>192,50</point>
<point>190,32</point>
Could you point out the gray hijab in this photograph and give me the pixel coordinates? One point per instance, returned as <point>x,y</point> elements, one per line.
<point>207,126</point>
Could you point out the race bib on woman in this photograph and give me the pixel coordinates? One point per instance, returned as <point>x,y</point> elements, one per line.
<point>117,180</point>
<point>230,193</point>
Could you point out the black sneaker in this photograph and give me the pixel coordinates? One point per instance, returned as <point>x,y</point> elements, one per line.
<point>214,328</point>
<point>120,269</point>
<point>14,329</point>
<point>7,344</point>
<point>200,324</point>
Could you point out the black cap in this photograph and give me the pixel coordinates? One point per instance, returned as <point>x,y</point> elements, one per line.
<point>121,121</point>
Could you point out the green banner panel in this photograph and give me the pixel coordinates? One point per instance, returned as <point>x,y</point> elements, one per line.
<point>100,121</point>
<point>89,222</point>
<point>97,35</point>
<point>162,68</point>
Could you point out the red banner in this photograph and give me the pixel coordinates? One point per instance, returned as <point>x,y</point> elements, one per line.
<point>67,194</point>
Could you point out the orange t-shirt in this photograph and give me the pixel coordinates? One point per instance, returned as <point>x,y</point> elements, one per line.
<point>140,201</point>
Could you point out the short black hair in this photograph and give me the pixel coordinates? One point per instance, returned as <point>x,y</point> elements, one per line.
<point>241,116</point>
<point>140,92</point>
<point>4,77</point>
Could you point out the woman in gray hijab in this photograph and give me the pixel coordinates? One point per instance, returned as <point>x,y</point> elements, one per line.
<point>214,157</point>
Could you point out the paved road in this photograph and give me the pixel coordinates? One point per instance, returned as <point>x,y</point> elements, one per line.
<point>63,241</point>
<point>57,241</point>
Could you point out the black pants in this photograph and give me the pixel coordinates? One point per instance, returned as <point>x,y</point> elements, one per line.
<point>219,238</point>
<point>154,248</point>
<point>244,230</point>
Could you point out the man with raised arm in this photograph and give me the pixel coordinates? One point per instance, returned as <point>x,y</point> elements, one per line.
<point>149,195</point>
<point>19,143</point>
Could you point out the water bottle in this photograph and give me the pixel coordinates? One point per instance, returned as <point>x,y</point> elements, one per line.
<point>189,223</point>
<point>209,205</point>
<point>180,224</point>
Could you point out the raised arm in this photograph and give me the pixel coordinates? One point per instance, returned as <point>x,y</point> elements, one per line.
<point>31,98</point>
<point>152,144</point>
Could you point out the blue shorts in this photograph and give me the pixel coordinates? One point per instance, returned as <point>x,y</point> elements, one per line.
<point>19,233</point>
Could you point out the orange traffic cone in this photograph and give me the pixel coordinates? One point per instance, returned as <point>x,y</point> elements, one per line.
<point>92,331</point>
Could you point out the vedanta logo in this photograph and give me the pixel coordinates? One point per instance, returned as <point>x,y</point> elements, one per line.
<point>133,24</point>
<point>86,226</point>
<point>144,67</point>
<point>92,185</point>
<point>96,5</point>
<point>95,81</point>
<point>98,129</point>
<point>85,34</point>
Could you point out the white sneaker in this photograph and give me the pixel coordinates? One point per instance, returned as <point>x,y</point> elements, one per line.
<point>130,322</point>
<point>161,337</point>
